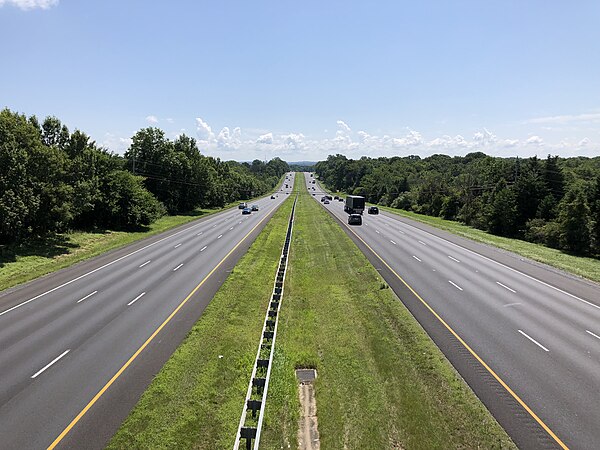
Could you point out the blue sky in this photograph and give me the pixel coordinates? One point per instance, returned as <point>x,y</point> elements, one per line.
<point>302,80</point>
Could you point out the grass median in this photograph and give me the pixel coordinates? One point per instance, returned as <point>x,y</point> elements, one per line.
<point>382,383</point>
<point>196,400</point>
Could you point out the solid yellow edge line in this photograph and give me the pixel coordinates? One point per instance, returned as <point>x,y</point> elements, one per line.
<point>145,344</point>
<point>475,355</point>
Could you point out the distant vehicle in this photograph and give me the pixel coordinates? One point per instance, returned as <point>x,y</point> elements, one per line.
<point>354,219</point>
<point>254,208</point>
<point>286,185</point>
<point>355,204</point>
<point>326,202</point>
<point>341,199</point>
<point>311,174</point>
<point>272,197</point>
<point>242,205</point>
<point>313,181</point>
<point>373,210</point>
<point>336,197</point>
<point>329,197</point>
<point>323,198</point>
<point>314,194</point>
<point>246,211</point>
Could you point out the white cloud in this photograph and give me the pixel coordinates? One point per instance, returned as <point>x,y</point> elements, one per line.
<point>584,142</point>
<point>27,5</point>
<point>567,118</point>
<point>343,127</point>
<point>151,119</point>
<point>535,140</point>
<point>169,120</point>
<point>265,139</point>
<point>484,137</point>
<point>204,132</point>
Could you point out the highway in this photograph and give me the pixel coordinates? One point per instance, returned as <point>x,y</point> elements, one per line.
<point>78,348</point>
<point>525,336</point>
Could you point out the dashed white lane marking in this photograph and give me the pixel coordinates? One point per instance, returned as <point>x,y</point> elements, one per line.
<point>455,285</point>
<point>146,263</point>
<point>214,225</point>
<point>50,363</point>
<point>512,304</point>
<point>231,229</point>
<point>240,221</point>
<point>136,299</point>
<point>453,259</point>
<point>393,242</point>
<point>177,245</point>
<point>377,231</point>
<point>199,234</point>
<point>595,335</point>
<point>203,248</point>
<point>219,236</point>
<point>87,296</point>
<point>421,242</point>
<point>416,258</point>
<point>401,232</point>
<point>178,267</point>
<point>534,341</point>
<point>506,287</point>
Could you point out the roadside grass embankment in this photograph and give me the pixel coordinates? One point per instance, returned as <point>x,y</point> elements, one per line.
<point>196,399</point>
<point>582,266</point>
<point>27,261</point>
<point>382,383</point>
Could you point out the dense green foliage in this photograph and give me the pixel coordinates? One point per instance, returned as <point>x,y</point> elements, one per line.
<point>54,181</point>
<point>555,202</point>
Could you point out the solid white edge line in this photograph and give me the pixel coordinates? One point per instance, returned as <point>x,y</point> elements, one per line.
<point>178,267</point>
<point>500,264</point>
<point>533,340</point>
<point>87,296</point>
<point>50,363</point>
<point>593,334</point>
<point>455,285</point>
<point>416,258</point>
<point>147,262</point>
<point>453,259</point>
<point>98,268</point>
<point>506,287</point>
<point>136,299</point>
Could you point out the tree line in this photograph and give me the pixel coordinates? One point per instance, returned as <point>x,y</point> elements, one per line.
<point>553,201</point>
<point>52,180</point>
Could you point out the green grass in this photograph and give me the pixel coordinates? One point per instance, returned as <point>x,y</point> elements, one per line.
<point>579,265</point>
<point>34,258</point>
<point>382,383</point>
<point>196,399</point>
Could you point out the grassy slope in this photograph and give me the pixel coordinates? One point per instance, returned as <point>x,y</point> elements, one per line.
<point>28,261</point>
<point>196,399</point>
<point>381,382</point>
<point>583,266</point>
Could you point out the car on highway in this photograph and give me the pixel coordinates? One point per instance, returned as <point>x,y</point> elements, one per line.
<point>246,211</point>
<point>354,219</point>
<point>336,198</point>
<point>323,198</point>
<point>272,197</point>
<point>242,205</point>
<point>341,199</point>
<point>254,208</point>
<point>326,202</point>
<point>373,210</point>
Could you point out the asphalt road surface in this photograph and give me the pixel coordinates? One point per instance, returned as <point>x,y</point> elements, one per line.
<point>79,347</point>
<point>525,336</point>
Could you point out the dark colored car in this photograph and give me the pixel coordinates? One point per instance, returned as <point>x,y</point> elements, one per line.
<point>336,197</point>
<point>373,210</point>
<point>326,202</point>
<point>354,219</point>
<point>272,197</point>
<point>242,205</point>
<point>323,199</point>
<point>246,211</point>
<point>254,208</point>
<point>341,199</point>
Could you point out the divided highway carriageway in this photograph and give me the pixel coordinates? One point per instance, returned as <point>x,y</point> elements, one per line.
<point>77,348</point>
<point>525,336</point>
